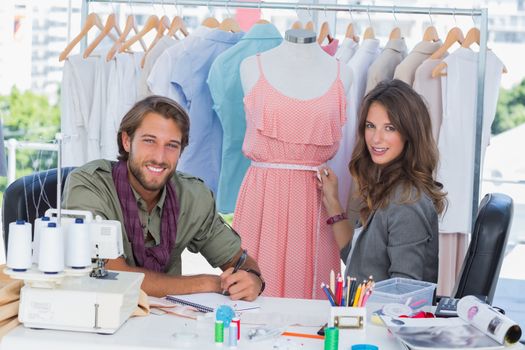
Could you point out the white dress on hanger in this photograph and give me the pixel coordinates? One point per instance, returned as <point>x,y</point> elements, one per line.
<point>359,63</point>
<point>458,131</point>
<point>122,94</point>
<point>99,106</point>
<point>76,99</point>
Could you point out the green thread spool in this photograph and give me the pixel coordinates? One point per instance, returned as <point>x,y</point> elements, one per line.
<point>331,338</point>
<point>219,332</point>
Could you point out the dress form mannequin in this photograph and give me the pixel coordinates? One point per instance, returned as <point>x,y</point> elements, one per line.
<point>297,68</point>
<point>295,111</point>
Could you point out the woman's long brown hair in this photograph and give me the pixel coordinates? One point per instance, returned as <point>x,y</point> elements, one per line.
<point>416,165</point>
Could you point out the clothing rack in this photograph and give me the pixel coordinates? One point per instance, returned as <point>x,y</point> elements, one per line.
<point>482,57</point>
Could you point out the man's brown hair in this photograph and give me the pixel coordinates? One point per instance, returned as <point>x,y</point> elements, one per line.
<point>164,106</point>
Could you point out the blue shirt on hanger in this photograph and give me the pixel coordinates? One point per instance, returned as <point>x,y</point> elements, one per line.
<point>202,156</point>
<point>225,86</point>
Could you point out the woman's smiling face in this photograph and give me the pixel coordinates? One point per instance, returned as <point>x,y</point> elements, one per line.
<point>383,141</point>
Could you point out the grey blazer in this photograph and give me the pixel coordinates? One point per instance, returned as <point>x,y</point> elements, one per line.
<point>400,240</point>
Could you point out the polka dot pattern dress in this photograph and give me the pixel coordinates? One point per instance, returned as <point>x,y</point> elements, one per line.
<point>279,213</point>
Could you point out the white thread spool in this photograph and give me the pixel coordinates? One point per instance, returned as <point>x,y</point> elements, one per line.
<point>78,245</point>
<point>40,223</point>
<point>51,254</point>
<point>19,246</point>
<point>232,336</point>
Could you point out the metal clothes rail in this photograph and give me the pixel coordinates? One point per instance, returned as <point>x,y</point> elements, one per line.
<point>306,6</point>
<point>482,57</point>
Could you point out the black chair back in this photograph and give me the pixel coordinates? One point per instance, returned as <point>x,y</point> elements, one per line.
<point>480,272</point>
<point>30,196</point>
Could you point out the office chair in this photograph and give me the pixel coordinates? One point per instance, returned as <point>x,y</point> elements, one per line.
<point>30,196</point>
<point>480,271</point>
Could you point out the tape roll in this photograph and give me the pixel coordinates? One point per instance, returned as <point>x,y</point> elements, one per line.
<point>396,310</point>
<point>364,347</point>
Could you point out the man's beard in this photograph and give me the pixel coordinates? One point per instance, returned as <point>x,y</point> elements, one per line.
<point>137,171</point>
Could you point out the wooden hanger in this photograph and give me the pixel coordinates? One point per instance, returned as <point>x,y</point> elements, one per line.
<point>431,34</point>
<point>324,32</point>
<point>262,21</point>
<point>211,22</point>
<point>164,24</point>
<point>395,33</point>
<point>454,35</point>
<point>91,20</point>
<point>369,33</point>
<point>473,36</point>
<point>111,23</point>
<point>178,25</point>
<point>229,25</point>
<point>297,25</point>
<point>350,33</point>
<point>130,24</point>
<point>309,26</point>
<point>151,23</point>
<point>438,70</point>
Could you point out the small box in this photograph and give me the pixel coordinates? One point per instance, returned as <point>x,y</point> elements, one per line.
<point>347,317</point>
<point>413,293</point>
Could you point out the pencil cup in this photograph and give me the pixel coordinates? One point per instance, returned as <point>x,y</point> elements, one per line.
<point>347,318</point>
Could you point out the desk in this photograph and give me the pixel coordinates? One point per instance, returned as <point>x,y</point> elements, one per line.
<point>155,332</point>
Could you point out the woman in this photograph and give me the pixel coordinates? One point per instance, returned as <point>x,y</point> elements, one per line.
<point>393,167</point>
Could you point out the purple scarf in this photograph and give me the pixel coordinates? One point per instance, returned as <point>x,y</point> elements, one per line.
<point>152,258</point>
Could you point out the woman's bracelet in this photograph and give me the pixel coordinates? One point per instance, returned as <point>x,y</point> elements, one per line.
<point>336,218</point>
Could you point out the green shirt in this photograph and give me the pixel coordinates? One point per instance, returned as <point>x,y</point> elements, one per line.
<point>199,227</point>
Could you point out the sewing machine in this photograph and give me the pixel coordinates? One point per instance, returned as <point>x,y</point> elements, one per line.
<point>86,300</point>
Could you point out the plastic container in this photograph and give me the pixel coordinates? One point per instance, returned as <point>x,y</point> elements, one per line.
<point>412,293</point>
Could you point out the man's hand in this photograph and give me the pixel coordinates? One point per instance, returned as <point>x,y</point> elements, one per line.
<point>159,284</point>
<point>241,285</point>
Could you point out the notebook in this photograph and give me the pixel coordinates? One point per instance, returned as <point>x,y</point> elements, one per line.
<point>209,302</point>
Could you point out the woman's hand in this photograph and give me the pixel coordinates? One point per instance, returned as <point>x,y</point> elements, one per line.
<point>328,184</point>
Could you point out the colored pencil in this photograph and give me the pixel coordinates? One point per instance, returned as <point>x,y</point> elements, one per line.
<point>332,281</point>
<point>302,335</point>
<point>329,294</point>
<point>357,295</point>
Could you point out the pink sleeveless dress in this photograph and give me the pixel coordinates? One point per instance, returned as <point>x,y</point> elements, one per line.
<point>279,213</point>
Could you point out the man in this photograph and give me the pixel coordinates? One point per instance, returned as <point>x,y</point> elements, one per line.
<point>161,211</point>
